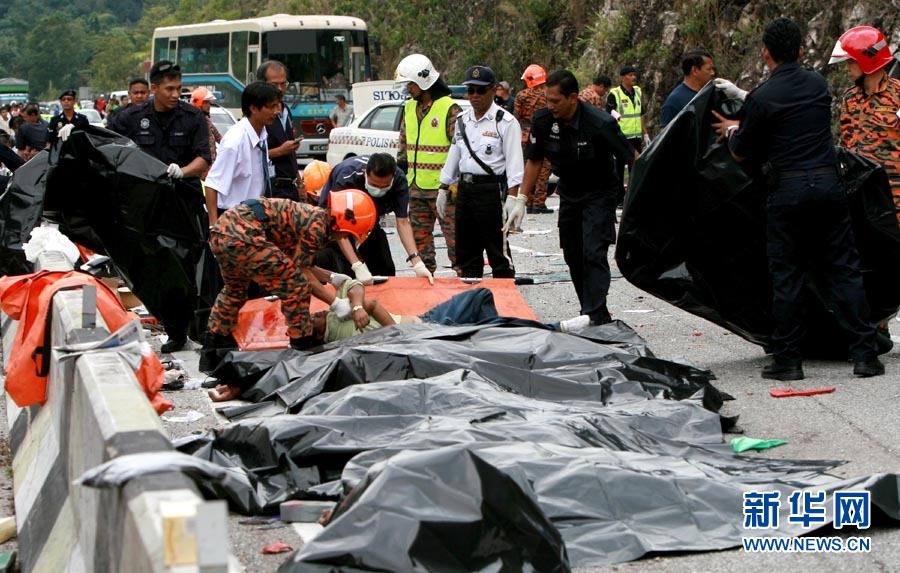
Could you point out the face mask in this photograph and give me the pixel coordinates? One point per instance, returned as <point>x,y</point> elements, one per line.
<point>377,192</point>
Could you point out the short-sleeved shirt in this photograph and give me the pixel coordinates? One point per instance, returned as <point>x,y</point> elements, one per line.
<point>787,121</point>
<point>581,150</point>
<point>528,102</point>
<point>341,117</point>
<point>351,174</point>
<point>80,121</point>
<point>176,136</point>
<point>496,139</point>
<point>337,329</point>
<point>297,229</point>
<point>678,98</point>
<point>870,126</point>
<point>241,171</point>
<point>590,95</point>
<point>33,134</point>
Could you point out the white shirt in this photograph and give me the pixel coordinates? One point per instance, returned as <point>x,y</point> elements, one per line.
<point>237,174</point>
<point>497,143</point>
<point>342,117</point>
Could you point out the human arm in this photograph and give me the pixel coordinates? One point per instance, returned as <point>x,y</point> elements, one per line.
<point>212,204</point>
<point>402,161</point>
<point>360,315</point>
<point>725,128</point>
<point>200,150</point>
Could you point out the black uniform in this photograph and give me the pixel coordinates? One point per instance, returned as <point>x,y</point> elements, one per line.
<point>33,134</point>
<point>284,184</point>
<point>583,153</point>
<point>375,252</point>
<point>786,128</point>
<point>177,136</point>
<point>80,121</point>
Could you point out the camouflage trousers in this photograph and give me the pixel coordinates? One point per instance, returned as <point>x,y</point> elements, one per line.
<point>242,260</point>
<point>422,215</point>
<point>538,197</point>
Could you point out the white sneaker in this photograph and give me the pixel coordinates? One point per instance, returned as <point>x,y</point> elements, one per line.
<point>574,324</point>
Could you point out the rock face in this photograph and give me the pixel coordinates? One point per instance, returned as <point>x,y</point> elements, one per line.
<point>653,35</point>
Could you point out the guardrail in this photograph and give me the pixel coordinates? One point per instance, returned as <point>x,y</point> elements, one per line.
<point>96,411</point>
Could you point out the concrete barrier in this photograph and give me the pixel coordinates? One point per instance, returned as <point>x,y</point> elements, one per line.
<point>96,411</point>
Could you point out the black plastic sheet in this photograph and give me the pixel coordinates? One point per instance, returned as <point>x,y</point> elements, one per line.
<point>113,198</point>
<point>693,233</point>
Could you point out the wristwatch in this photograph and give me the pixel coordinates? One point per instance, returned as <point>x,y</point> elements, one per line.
<point>412,256</point>
<point>357,307</point>
<point>729,130</point>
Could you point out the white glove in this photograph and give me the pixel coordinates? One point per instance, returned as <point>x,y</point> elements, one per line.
<point>341,307</point>
<point>422,271</point>
<point>514,212</point>
<point>442,203</point>
<point>337,279</point>
<point>730,90</point>
<point>174,171</point>
<point>646,141</point>
<point>362,273</point>
<point>65,131</point>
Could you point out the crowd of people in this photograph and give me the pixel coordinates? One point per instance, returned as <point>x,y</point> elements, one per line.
<point>478,171</point>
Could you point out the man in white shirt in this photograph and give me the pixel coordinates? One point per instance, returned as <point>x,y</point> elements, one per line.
<point>241,170</point>
<point>342,114</point>
<point>486,159</point>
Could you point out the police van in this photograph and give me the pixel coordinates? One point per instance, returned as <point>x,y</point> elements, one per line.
<point>378,107</point>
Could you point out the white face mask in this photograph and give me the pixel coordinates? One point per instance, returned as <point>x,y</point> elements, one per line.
<point>377,192</point>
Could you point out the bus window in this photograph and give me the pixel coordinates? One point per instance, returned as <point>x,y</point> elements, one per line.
<point>297,50</point>
<point>203,54</point>
<point>239,55</point>
<point>161,49</point>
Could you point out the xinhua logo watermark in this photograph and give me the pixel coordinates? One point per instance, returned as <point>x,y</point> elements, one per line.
<point>762,511</point>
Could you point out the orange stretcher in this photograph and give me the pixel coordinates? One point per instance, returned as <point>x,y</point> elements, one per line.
<point>261,325</point>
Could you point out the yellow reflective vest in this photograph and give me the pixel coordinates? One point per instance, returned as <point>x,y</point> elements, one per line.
<point>630,123</point>
<point>427,145</point>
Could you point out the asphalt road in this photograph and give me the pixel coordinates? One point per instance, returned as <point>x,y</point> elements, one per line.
<point>857,423</point>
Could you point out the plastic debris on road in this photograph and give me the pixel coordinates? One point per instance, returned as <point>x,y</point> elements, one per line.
<point>790,392</point>
<point>743,444</point>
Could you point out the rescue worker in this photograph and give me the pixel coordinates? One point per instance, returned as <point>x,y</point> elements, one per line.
<point>175,133</point>
<point>486,160</point>
<point>202,98</point>
<point>698,69</point>
<point>283,140</point>
<point>62,124</point>
<point>528,102</point>
<point>870,110</point>
<point>581,142</point>
<point>273,242</point>
<point>625,104</point>
<point>386,184</point>
<point>785,127</point>
<point>595,94</point>
<point>426,129</point>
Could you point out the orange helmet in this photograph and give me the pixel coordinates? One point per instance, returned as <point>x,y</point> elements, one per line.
<point>353,211</point>
<point>865,45</point>
<point>200,95</point>
<point>534,76</point>
<point>314,177</point>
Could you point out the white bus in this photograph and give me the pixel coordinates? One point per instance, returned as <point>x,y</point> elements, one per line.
<point>324,54</point>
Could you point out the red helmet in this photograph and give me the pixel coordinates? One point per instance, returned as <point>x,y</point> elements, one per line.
<point>534,76</point>
<point>866,45</point>
<point>353,211</point>
<point>200,95</point>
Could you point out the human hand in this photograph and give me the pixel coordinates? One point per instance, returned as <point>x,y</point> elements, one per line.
<point>362,273</point>
<point>730,90</point>
<point>360,318</point>
<point>514,212</point>
<point>341,308</point>
<point>721,127</point>
<point>174,171</point>
<point>442,203</point>
<point>337,279</point>
<point>65,131</point>
<point>422,271</point>
<point>646,141</point>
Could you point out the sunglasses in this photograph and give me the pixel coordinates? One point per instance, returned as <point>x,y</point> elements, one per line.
<point>480,90</point>
<point>166,67</point>
<point>279,84</point>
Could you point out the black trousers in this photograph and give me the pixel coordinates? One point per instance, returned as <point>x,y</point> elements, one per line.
<point>375,252</point>
<point>809,237</point>
<point>638,144</point>
<point>479,224</point>
<point>587,227</point>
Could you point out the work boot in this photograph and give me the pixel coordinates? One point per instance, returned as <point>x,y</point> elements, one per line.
<point>530,209</point>
<point>783,371</point>
<point>175,343</point>
<point>868,368</point>
<point>540,209</point>
<point>600,317</point>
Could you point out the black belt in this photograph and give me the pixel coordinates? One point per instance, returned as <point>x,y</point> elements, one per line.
<point>283,182</point>
<point>830,170</point>
<point>479,179</point>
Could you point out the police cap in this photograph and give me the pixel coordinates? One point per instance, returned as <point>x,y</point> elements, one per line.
<point>480,76</point>
<point>70,93</point>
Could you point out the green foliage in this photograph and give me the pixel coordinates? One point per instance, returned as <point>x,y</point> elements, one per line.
<point>56,53</point>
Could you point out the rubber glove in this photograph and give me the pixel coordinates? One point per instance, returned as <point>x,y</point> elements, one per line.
<point>362,273</point>
<point>337,279</point>
<point>65,131</point>
<point>730,90</point>
<point>422,271</point>
<point>341,307</point>
<point>514,212</point>
<point>174,171</point>
<point>646,141</point>
<point>442,203</point>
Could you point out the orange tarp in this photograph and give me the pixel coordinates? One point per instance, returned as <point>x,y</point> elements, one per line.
<point>261,325</point>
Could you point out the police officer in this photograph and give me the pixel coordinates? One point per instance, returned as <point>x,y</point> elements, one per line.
<point>580,141</point>
<point>486,159</point>
<point>785,126</point>
<point>62,124</point>
<point>386,184</point>
<point>174,132</point>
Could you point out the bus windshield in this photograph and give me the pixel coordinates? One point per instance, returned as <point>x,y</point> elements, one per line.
<point>322,63</point>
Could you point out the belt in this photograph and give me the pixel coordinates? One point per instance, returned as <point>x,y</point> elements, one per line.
<point>478,179</point>
<point>829,170</point>
<point>283,182</point>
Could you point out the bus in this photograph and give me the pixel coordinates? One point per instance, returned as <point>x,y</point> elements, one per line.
<point>325,55</point>
<point>13,90</point>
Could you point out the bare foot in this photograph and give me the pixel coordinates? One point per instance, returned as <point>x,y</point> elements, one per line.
<point>223,393</point>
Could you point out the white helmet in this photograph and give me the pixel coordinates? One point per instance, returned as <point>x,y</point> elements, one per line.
<point>418,69</point>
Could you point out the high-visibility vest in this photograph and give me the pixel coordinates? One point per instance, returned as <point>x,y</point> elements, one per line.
<point>427,145</point>
<point>630,123</point>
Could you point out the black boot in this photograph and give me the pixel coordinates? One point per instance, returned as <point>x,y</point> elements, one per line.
<point>215,347</point>
<point>868,368</point>
<point>784,371</point>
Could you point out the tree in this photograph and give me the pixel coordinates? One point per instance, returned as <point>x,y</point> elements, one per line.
<point>56,52</point>
<point>114,63</point>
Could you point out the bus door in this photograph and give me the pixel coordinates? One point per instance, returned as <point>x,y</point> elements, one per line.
<point>357,65</point>
<point>253,63</point>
